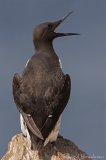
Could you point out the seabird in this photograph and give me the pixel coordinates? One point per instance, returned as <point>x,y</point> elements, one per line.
<point>42,92</point>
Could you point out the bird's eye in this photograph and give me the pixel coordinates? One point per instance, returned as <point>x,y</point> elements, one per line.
<point>49,26</point>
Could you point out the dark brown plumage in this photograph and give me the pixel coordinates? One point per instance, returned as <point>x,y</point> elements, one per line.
<point>43,90</point>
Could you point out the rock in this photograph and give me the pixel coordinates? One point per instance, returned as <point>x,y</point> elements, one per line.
<point>18,149</point>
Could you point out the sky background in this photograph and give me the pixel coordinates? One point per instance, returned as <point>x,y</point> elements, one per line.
<point>83,57</point>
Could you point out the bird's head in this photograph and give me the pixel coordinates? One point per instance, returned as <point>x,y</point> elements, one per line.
<point>45,32</point>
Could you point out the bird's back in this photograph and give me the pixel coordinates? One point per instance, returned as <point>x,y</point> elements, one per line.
<point>42,80</point>
<point>41,73</point>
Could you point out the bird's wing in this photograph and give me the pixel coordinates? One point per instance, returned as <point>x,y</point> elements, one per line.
<point>43,125</point>
<point>32,125</point>
<point>17,98</point>
<point>16,89</point>
<point>21,99</point>
<point>58,104</point>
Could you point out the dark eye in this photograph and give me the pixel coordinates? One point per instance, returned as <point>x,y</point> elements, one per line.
<point>50,26</point>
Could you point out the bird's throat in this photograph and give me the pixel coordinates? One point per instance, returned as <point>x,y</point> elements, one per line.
<point>45,47</point>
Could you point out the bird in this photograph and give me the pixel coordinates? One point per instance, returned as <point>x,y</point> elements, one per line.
<point>42,91</point>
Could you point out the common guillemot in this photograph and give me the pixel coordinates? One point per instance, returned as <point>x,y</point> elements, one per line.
<point>42,92</point>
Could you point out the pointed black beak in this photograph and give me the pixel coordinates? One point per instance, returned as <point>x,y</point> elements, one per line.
<point>57,23</point>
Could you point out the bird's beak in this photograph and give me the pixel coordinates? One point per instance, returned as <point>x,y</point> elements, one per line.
<point>57,23</point>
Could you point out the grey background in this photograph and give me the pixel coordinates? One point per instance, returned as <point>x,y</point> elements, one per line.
<point>83,57</point>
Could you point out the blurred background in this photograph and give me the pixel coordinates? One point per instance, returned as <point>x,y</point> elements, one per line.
<point>83,57</point>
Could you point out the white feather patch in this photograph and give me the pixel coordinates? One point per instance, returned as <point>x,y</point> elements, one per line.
<point>24,128</point>
<point>27,62</point>
<point>60,63</point>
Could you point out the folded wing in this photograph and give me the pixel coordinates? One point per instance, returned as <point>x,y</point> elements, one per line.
<point>56,105</point>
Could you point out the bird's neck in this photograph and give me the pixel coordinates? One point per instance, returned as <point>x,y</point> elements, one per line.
<point>45,47</point>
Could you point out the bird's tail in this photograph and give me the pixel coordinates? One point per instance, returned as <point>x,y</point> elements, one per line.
<point>36,143</point>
